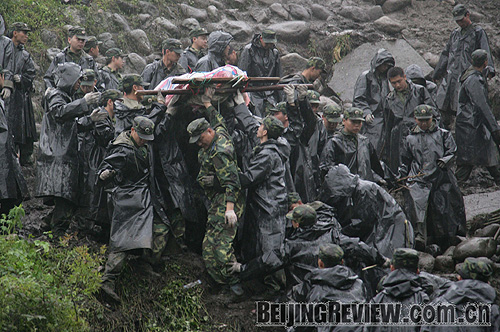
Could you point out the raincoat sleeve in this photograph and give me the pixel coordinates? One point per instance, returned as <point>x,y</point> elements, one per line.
<point>202,65</point>
<point>442,64</point>
<point>85,123</point>
<point>450,148</point>
<point>327,157</point>
<point>28,75</point>
<point>245,60</point>
<point>482,43</point>
<point>249,123</point>
<point>360,95</point>
<point>480,102</point>
<point>258,170</point>
<point>147,75</point>
<point>8,63</point>
<point>375,162</point>
<point>309,121</point>
<point>406,160</point>
<point>48,78</point>
<point>216,120</point>
<point>104,132</point>
<point>63,111</point>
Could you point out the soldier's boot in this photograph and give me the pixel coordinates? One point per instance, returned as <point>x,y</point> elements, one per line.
<point>108,291</point>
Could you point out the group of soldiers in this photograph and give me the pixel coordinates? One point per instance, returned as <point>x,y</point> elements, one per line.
<point>265,185</point>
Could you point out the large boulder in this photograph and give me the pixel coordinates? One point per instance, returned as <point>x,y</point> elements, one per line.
<point>353,64</point>
<point>391,6</point>
<point>475,247</point>
<point>300,12</point>
<point>293,63</point>
<point>320,11</point>
<point>50,38</point>
<point>139,42</point>
<point>375,12</point>
<point>488,231</point>
<point>444,264</point>
<point>190,23</point>
<point>135,64</point>
<point>107,42</point>
<point>388,25</point>
<point>292,31</point>
<point>279,10</point>
<point>240,30</point>
<point>425,262</point>
<point>354,13</point>
<point>431,58</point>
<point>261,15</point>
<point>120,23</point>
<point>199,14</point>
<point>161,24</point>
<point>481,203</point>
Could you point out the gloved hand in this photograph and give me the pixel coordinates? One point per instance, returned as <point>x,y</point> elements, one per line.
<point>382,182</point>
<point>387,262</point>
<point>441,164</point>
<point>207,96</point>
<point>97,115</point>
<point>172,108</point>
<point>289,91</point>
<point>234,267</point>
<point>5,93</point>
<point>207,181</point>
<point>17,78</point>
<point>369,118</point>
<point>92,97</point>
<point>238,98</point>
<point>301,92</point>
<point>160,98</point>
<point>231,218</point>
<point>106,174</point>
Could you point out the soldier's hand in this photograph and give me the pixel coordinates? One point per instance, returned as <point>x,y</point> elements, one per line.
<point>387,262</point>
<point>301,92</point>
<point>17,78</point>
<point>441,164</point>
<point>369,118</point>
<point>238,98</point>
<point>207,180</point>
<point>92,97</point>
<point>5,93</point>
<point>160,98</point>
<point>97,115</point>
<point>289,93</point>
<point>382,182</point>
<point>231,218</point>
<point>207,96</point>
<point>234,267</point>
<point>106,174</point>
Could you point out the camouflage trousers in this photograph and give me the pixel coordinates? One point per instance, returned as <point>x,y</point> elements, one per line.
<point>116,260</point>
<point>218,249</point>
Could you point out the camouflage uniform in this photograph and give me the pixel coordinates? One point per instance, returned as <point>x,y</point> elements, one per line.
<point>219,161</point>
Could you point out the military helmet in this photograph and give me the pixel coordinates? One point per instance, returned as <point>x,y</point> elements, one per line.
<point>479,56</point>
<point>303,214</point>
<point>195,128</point>
<point>196,32</point>
<point>132,79</point>
<point>313,97</point>
<point>333,113</point>
<point>77,31</point>
<point>172,44</point>
<point>330,254</point>
<point>317,63</point>
<point>91,42</point>
<point>459,12</point>
<point>20,26</point>
<point>144,128</point>
<point>354,114</point>
<point>273,126</point>
<point>423,112</point>
<point>293,198</point>
<point>112,94</point>
<point>88,77</point>
<point>269,36</point>
<point>405,258</point>
<point>476,268</point>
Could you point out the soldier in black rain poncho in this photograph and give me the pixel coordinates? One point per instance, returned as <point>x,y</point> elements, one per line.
<point>12,185</point>
<point>264,225</point>
<point>19,106</point>
<point>330,282</point>
<point>370,90</point>
<point>57,162</point>
<point>433,201</point>
<point>477,130</point>
<point>261,58</point>
<point>456,58</point>
<point>138,220</point>
<point>398,111</point>
<point>416,75</point>
<point>314,224</point>
<point>472,287</point>
<point>402,285</point>
<point>367,211</point>
<point>218,48</point>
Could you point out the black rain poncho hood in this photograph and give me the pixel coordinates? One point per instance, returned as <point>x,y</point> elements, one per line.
<point>370,91</point>
<point>66,76</point>
<point>217,43</point>
<point>367,211</point>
